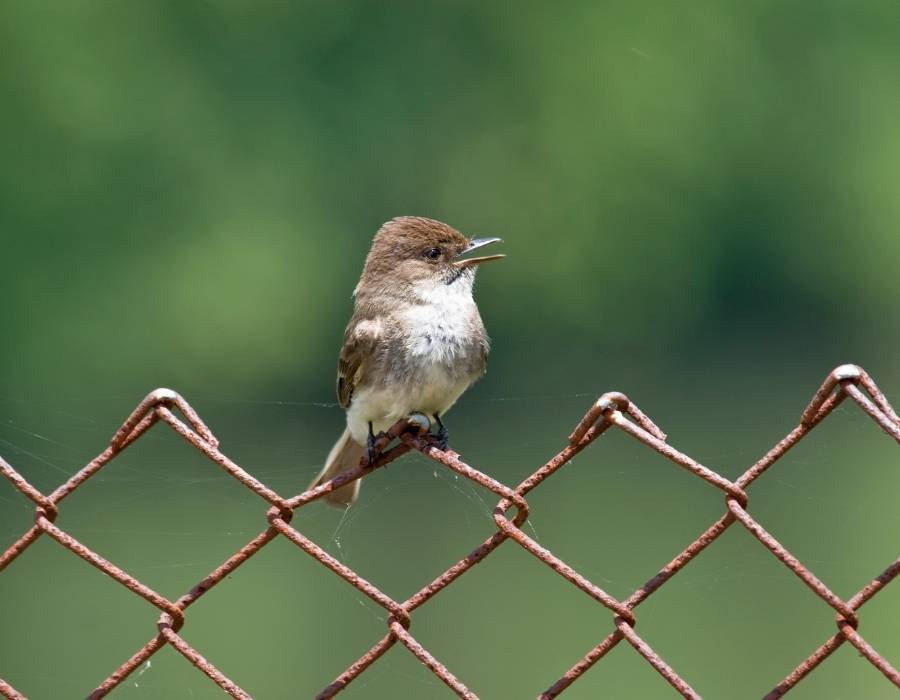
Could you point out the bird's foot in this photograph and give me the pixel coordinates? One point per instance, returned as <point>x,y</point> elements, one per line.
<point>373,450</point>
<point>442,434</point>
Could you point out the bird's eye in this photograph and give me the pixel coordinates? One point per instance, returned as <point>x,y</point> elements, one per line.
<point>433,253</point>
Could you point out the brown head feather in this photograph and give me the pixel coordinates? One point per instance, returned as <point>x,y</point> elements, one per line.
<point>399,253</point>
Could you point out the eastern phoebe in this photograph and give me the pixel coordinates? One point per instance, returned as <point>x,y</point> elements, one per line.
<point>415,342</point>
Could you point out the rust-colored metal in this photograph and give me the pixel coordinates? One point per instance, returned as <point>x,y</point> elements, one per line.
<point>612,410</point>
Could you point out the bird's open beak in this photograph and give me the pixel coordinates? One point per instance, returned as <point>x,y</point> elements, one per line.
<point>474,244</point>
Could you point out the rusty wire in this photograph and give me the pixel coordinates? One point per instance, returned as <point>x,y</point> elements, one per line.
<point>611,410</point>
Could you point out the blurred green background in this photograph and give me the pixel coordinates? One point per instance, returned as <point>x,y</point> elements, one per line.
<point>699,205</point>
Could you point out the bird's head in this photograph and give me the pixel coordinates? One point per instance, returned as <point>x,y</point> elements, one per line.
<point>412,252</point>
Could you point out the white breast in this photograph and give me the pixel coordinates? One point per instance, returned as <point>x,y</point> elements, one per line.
<point>441,324</point>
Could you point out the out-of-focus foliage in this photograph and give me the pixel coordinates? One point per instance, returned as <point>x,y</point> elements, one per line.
<point>660,172</point>
<point>699,204</point>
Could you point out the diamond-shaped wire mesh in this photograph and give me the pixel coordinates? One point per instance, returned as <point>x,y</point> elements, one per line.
<point>612,410</point>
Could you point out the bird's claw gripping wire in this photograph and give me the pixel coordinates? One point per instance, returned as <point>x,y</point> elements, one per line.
<point>442,434</point>
<point>371,447</point>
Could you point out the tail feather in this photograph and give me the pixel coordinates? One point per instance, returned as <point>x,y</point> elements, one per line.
<point>345,455</point>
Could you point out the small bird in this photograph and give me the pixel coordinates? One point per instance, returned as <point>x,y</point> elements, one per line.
<point>415,341</point>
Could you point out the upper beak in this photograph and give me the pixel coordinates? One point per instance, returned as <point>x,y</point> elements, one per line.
<point>474,244</point>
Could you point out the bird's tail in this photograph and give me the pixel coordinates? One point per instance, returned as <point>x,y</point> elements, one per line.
<point>345,455</point>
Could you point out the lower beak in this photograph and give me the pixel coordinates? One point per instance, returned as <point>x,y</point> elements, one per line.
<point>474,244</point>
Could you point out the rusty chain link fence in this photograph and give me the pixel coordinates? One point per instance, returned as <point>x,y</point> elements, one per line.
<point>612,410</point>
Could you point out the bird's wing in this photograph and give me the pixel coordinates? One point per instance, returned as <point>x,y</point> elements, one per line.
<point>360,340</point>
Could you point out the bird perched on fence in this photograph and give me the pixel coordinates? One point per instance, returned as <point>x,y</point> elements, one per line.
<point>415,341</point>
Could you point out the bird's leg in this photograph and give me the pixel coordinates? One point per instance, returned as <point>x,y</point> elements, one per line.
<point>442,434</point>
<point>371,443</point>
